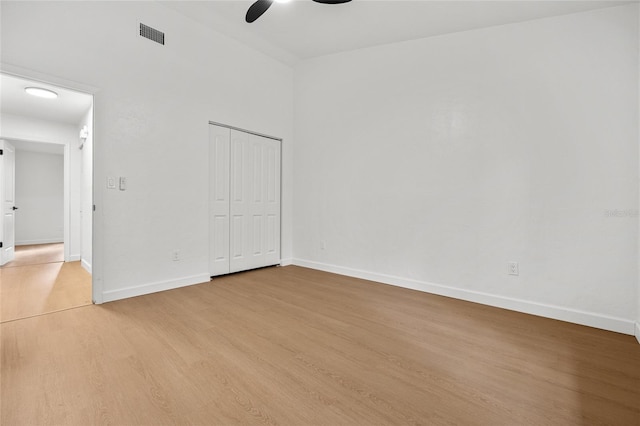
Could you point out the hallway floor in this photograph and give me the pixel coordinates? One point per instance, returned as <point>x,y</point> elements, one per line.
<point>38,281</point>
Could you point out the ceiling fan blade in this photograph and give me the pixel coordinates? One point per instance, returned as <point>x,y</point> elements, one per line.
<point>332,1</point>
<point>257,9</point>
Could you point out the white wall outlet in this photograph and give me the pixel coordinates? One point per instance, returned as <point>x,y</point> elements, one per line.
<point>175,255</point>
<point>512,268</point>
<point>111,182</point>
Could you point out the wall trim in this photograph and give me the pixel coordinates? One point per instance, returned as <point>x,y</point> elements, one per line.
<point>86,265</point>
<point>286,262</point>
<point>140,290</point>
<point>73,258</point>
<point>42,241</point>
<point>638,331</point>
<point>605,322</point>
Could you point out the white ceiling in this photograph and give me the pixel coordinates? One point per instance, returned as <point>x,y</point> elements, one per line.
<point>69,107</point>
<point>305,29</point>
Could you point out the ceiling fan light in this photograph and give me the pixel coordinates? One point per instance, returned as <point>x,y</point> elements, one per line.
<point>40,92</point>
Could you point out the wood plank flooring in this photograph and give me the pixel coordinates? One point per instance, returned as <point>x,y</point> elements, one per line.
<point>37,282</point>
<point>293,346</point>
<point>37,254</point>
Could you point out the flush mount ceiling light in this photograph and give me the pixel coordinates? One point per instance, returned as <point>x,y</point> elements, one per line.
<point>40,92</point>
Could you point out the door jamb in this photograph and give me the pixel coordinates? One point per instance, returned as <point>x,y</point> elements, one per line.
<point>97,225</point>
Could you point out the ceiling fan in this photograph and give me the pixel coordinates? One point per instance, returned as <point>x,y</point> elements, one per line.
<point>260,6</point>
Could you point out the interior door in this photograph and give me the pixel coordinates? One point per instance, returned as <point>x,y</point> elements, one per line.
<point>219,138</point>
<point>255,201</point>
<point>241,223</point>
<point>271,190</point>
<point>8,207</point>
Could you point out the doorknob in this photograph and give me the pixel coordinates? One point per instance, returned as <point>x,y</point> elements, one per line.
<point>14,208</point>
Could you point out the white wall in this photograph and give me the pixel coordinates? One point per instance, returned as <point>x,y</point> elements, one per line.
<point>637,331</point>
<point>40,198</point>
<point>432,163</point>
<point>37,130</point>
<point>428,162</point>
<point>86,203</point>
<point>151,107</point>
<point>44,131</point>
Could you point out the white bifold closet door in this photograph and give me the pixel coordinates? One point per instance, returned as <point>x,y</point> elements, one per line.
<point>244,201</point>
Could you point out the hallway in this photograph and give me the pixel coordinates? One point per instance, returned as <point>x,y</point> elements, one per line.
<point>38,281</point>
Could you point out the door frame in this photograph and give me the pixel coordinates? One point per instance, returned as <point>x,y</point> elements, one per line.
<point>96,224</point>
<point>67,196</point>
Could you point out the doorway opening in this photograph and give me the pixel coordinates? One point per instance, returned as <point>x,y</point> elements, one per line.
<point>46,186</point>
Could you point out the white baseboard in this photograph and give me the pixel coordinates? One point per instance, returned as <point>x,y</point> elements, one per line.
<point>286,262</point>
<point>139,290</point>
<point>74,258</point>
<point>638,331</point>
<point>575,316</point>
<point>43,241</point>
<point>86,265</point>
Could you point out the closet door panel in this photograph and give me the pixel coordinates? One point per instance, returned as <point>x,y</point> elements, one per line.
<point>219,140</point>
<point>241,183</point>
<point>271,188</point>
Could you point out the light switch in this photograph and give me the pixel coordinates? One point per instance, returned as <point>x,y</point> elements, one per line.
<point>123,183</point>
<point>111,182</point>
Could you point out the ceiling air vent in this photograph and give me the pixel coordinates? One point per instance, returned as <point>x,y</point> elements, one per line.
<point>152,34</point>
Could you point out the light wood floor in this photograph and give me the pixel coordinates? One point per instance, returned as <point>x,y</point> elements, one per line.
<point>293,346</point>
<point>37,254</point>
<point>38,282</point>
